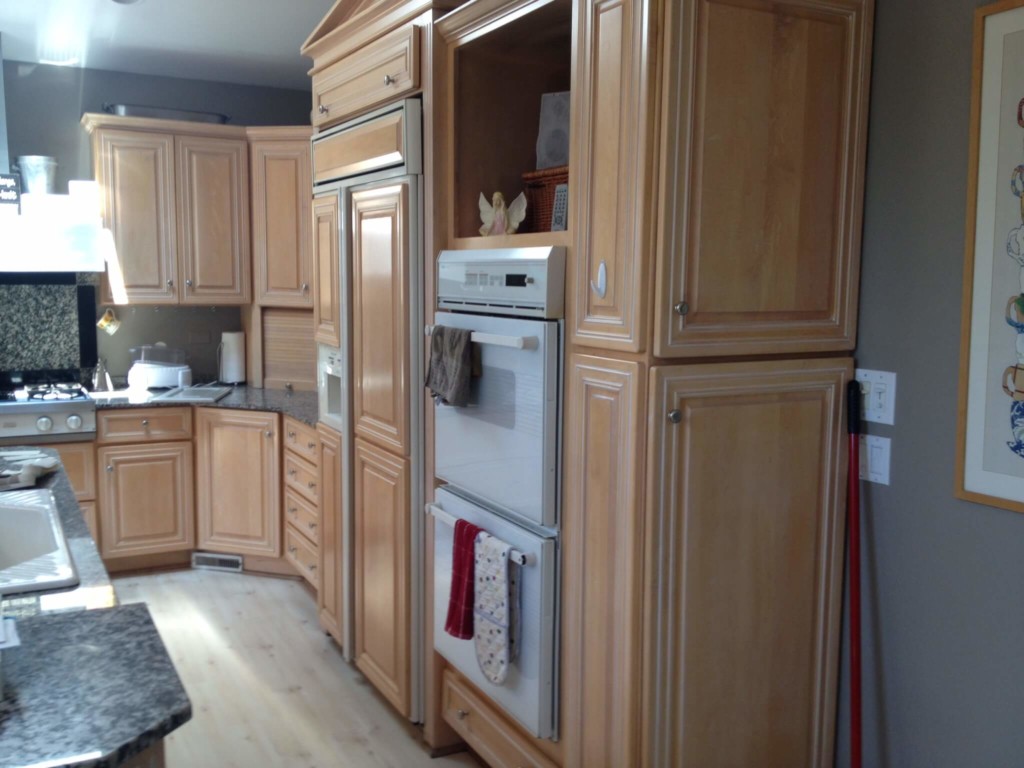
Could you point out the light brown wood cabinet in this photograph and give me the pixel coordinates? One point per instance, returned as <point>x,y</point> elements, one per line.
<point>79,461</point>
<point>745,543</point>
<point>759,247</point>
<point>381,386</point>
<point>382,550</point>
<point>282,242</point>
<point>238,481</point>
<point>176,196</point>
<point>327,277</point>
<point>146,499</point>
<point>333,541</point>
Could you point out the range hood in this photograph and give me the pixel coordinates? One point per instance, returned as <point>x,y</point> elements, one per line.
<point>53,233</point>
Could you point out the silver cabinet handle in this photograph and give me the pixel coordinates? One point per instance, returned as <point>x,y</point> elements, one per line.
<point>311,484</point>
<point>311,446</point>
<point>675,415</point>
<point>601,286</point>
<point>311,568</point>
<point>291,473</point>
<point>145,423</point>
<point>110,468</point>
<point>268,433</point>
<point>292,550</point>
<point>312,526</point>
<point>682,308</point>
<point>292,511</point>
<point>291,435</point>
<point>305,287</point>
<point>322,109</point>
<point>389,80</point>
<point>460,714</point>
<point>188,283</point>
<point>170,283</point>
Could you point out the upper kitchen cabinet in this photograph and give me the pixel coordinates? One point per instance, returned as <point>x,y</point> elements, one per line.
<point>762,158</point>
<point>501,60</point>
<point>613,135</point>
<point>282,251</point>
<point>176,196</point>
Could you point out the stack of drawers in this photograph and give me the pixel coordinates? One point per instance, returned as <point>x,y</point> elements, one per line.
<point>301,499</point>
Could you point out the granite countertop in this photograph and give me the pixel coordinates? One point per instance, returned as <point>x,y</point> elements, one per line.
<point>91,684</point>
<point>302,406</point>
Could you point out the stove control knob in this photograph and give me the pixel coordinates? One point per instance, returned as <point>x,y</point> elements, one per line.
<point>74,421</point>
<point>44,423</point>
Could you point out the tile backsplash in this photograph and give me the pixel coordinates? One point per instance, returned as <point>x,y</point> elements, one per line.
<point>38,327</point>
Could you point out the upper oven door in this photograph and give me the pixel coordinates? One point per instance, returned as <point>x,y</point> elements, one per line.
<point>502,449</point>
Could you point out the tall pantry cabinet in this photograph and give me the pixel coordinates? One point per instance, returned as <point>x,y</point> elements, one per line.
<point>718,153</point>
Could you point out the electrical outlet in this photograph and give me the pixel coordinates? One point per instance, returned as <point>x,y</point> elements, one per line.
<point>877,396</point>
<point>874,458</point>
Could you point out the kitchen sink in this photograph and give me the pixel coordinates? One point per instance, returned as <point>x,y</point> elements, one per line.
<point>33,551</point>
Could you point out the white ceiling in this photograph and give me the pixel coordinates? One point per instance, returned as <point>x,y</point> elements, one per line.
<point>255,42</point>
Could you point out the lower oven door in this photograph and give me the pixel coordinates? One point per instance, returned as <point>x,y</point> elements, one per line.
<point>502,448</point>
<point>529,693</point>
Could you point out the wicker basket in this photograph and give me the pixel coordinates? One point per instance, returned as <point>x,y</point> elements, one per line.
<point>540,197</point>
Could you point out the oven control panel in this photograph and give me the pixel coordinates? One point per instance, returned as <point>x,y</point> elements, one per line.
<point>527,282</point>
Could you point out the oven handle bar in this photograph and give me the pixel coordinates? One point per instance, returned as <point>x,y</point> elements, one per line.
<point>516,342</point>
<point>443,517</point>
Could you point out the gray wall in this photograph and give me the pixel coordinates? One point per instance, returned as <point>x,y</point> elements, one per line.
<point>45,105</point>
<point>944,600</point>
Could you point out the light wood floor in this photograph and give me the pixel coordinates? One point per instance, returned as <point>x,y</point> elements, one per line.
<point>268,688</point>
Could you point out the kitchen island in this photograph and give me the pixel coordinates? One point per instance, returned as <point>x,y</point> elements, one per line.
<point>92,684</point>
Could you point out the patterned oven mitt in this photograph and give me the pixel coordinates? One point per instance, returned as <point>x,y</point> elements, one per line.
<point>495,608</point>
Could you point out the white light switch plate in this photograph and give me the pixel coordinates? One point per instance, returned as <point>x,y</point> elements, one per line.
<point>877,396</point>
<point>874,459</point>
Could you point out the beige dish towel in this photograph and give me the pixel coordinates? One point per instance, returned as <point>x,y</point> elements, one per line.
<point>451,365</point>
<point>495,608</point>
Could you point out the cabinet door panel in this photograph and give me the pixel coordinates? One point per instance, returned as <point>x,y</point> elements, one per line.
<point>611,163</point>
<point>146,499</point>
<point>333,541</point>
<point>380,314</point>
<point>136,174</point>
<point>326,275</point>
<point>745,558</point>
<point>281,242</point>
<point>79,460</point>
<point>213,220</point>
<point>602,544</point>
<point>381,538</point>
<point>762,214</point>
<point>238,481</point>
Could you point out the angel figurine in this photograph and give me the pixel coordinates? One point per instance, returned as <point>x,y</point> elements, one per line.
<point>499,220</point>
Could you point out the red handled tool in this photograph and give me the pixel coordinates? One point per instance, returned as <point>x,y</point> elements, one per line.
<point>853,507</point>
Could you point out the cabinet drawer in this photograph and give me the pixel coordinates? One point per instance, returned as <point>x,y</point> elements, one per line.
<point>485,730</point>
<point>377,143</point>
<point>301,554</point>
<point>143,425</point>
<point>301,476</point>
<point>301,515</point>
<point>79,460</point>
<point>300,439</point>
<point>378,73</point>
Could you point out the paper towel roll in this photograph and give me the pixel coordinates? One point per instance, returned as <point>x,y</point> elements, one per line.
<point>232,357</point>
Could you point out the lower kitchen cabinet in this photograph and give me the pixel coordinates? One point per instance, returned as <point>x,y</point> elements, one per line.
<point>92,521</point>
<point>329,596</point>
<point>238,481</point>
<point>745,555</point>
<point>146,499</point>
<point>381,544</point>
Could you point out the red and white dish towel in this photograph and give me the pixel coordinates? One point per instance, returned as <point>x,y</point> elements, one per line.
<point>459,622</point>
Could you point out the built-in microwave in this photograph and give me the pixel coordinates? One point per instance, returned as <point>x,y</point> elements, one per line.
<point>331,386</point>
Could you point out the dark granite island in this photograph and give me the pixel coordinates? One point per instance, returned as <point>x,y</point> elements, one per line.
<point>92,684</point>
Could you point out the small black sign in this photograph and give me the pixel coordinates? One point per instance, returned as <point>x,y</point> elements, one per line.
<point>10,192</point>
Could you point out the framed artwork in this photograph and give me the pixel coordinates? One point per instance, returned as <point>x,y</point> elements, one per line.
<point>990,448</point>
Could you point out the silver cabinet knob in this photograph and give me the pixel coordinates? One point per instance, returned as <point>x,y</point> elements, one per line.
<point>268,433</point>
<point>291,435</point>
<point>312,526</point>
<point>170,283</point>
<point>292,511</point>
<point>311,484</point>
<point>145,423</point>
<point>322,109</point>
<point>460,714</point>
<point>188,283</point>
<point>292,550</point>
<point>311,568</point>
<point>291,473</point>
<point>681,308</point>
<point>305,287</point>
<point>311,446</point>
<point>109,468</point>
<point>675,415</point>
<point>389,80</point>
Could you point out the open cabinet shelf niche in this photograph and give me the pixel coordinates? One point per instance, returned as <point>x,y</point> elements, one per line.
<point>499,78</point>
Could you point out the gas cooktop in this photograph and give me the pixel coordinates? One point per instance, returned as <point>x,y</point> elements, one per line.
<point>47,411</point>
